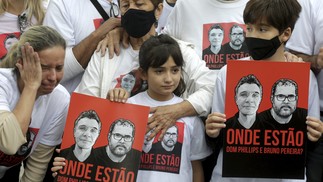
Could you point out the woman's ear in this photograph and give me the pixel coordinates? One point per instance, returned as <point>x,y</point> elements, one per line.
<point>159,10</point>
<point>143,74</point>
<point>286,34</point>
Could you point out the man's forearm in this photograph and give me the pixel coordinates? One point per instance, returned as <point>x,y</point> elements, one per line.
<point>84,50</point>
<point>185,108</point>
<point>313,59</point>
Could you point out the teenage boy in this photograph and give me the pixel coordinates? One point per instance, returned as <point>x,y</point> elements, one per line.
<point>269,25</point>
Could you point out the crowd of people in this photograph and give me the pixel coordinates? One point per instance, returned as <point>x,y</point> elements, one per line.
<point>165,54</point>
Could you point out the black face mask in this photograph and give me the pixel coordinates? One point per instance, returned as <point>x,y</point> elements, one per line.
<point>261,48</point>
<point>137,23</point>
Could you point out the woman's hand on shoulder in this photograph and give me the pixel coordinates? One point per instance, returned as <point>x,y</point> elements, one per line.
<point>112,40</point>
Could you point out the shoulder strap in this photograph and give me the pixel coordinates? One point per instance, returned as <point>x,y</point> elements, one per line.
<point>97,5</point>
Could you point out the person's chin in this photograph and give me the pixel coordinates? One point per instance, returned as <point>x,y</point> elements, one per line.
<point>47,89</point>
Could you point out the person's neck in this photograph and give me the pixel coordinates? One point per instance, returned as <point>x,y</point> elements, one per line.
<point>159,97</point>
<point>113,157</point>
<point>16,7</point>
<point>215,49</point>
<point>279,55</point>
<point>137,42</point>
<point>235,47</point>
<point>280,119</point>
<point>81,154</point>
<point>169,149</point>
<point>246,120</point>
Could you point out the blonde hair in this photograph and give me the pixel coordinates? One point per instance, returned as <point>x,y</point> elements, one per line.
<point>39,37</point>
<point>34,8</point>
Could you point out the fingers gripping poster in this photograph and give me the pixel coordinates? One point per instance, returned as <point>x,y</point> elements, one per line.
<point>266,109</point>
<point>102,140</point>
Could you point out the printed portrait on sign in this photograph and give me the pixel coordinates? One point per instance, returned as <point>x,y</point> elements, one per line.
<point>103,140</point>
<point>222,42</point>
<point>265,134</point>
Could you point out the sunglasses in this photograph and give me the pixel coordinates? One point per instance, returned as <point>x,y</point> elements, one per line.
<point>114,10</point>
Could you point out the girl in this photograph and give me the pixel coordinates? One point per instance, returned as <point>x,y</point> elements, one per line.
<point>160,65</point>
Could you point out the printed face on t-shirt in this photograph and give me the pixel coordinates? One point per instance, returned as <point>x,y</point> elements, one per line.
<point>170,137</point>
<point>236,36</point>
<point>216,37</point>
<point>128,82</point>
<point>9,43</point>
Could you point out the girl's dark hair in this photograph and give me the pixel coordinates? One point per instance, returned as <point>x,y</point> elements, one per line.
<point>155,51</point>
<point>280,14</point>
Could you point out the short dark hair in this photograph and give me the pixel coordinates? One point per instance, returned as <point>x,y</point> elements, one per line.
<point>280,14</point>
<point>235,26</point>
<point>155,52</point>
<point>215,26</point>
<point>284,82</point>
<point>249,79</point>
<point>123,122</point>
<point>91,114</point>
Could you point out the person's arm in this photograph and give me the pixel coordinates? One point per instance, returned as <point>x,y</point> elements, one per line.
<point>37,162</point>
<point>166,116</point>
<point>199,82</point>
<point>84,50</point>
<point>9,143</point>
<point>315,60</point>
<point>198,174</point>
<point>77,55</point>
<point>29,80</point>
<point>91,80</point>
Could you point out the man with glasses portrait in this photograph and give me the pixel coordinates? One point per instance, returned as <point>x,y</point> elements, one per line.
<point>169,145</point>
<point>284,113</point>
<point>119,154</point>
<point>236,48</point>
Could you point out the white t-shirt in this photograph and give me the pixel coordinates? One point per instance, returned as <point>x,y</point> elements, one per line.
<point>193,147</point>
<point>9,25</point>
<point>190,21</point>
<point>74,20</point>
<point>47,119</point>
<point>307,35</point>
